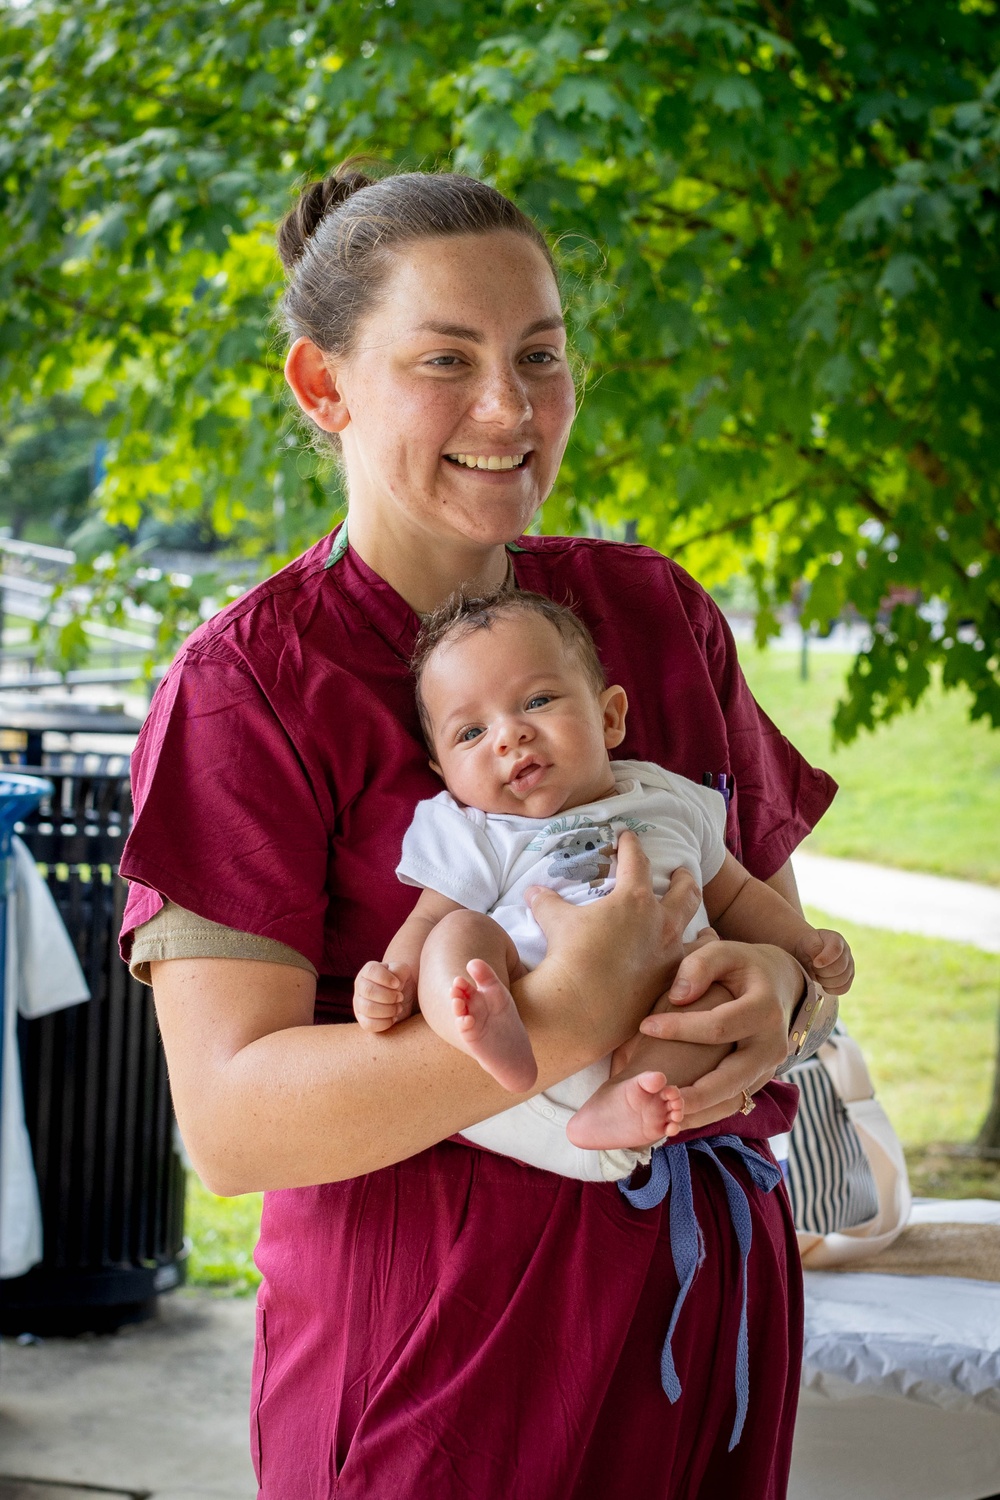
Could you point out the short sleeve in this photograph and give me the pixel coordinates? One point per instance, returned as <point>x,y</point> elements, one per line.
<point>447,851</point>
<point>227,824</point>
<point>176,933</point>
<point>704,813</point>
<point>779,796</point>
<point>710,808</point>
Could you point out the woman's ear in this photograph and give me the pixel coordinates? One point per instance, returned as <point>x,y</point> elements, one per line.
<point>315,386</point>
<point>614,707</point>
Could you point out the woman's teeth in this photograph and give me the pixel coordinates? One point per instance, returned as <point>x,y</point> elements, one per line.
<point>493,461</point>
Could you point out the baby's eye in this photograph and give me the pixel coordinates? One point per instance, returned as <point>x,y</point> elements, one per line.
<point>539,700</point>
<point>466,735</point>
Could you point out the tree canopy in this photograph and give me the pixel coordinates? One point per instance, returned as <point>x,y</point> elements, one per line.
<point>777,223</point>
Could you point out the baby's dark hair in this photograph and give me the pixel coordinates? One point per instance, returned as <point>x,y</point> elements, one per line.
<point>462,615</point>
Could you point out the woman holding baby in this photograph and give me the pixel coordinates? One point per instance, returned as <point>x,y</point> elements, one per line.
<point>438,1319</point>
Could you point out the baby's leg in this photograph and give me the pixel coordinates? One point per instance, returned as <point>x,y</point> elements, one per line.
<point>466,966</point>
<point>641,1103</point>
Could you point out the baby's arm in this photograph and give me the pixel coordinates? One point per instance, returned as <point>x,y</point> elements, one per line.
<point>746,910</point>
<point>386,993</point>
<point>640,1103</point>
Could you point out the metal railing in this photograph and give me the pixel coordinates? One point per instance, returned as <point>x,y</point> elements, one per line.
<point>29,573</point>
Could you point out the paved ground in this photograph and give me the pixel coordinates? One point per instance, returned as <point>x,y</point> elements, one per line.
<point>901,900</point>
<point>17,1489</point>
<point>157,1411</point>
<point>28,1489</point>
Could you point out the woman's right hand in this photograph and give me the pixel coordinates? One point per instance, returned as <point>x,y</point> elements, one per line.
<point>608,961</point>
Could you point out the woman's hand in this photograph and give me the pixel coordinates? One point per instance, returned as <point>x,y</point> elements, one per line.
<point>608,961</point>
<point>766,984</point>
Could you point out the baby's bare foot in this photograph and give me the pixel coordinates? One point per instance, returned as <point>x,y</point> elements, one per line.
<point>628,1112</point>
<point>490,1029</point>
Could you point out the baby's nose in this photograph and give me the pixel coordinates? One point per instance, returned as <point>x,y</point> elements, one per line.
<point>512,732</point>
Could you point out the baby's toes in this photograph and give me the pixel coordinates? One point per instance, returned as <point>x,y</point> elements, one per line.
<point>462,992</point>
<point>673,1104</point>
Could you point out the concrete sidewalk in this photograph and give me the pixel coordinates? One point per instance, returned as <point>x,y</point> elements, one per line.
<point>901,900</point>
<point>158,1411</point>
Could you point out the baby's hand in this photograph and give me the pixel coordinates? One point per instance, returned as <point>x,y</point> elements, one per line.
<point>383,995</point>
<point>831,963</point>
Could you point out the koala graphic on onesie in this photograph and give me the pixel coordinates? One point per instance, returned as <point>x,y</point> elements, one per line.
<point>486,861</point>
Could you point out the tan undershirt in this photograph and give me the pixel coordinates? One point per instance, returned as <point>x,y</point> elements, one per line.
<point>177,933</point>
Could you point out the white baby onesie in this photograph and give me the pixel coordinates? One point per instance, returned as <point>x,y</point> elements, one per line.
<point>485,861</point>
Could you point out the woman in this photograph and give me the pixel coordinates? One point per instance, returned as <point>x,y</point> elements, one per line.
<point>434,1320</point>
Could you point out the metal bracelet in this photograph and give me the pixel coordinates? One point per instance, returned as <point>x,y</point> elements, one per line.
<point>814,1018</point>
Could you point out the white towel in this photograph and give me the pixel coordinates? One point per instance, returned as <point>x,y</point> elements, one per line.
<point>42,975</point>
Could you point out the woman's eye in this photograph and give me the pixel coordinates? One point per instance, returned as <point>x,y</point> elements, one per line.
<point>541,357</point>
<point>539,700</point>
<point>444,361</point>
<point>469,734</point>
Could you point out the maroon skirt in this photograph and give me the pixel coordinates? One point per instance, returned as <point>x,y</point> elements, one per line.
<point>461,1327</point>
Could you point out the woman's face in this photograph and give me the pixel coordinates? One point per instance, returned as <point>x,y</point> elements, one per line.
<point>457,396</point>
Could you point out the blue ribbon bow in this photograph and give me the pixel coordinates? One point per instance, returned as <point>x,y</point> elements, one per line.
<point>671,1169</point>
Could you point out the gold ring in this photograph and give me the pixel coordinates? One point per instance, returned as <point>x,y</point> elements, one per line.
<point>749,1103</point>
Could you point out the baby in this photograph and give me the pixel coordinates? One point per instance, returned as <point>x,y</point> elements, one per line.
<point>520,723</point>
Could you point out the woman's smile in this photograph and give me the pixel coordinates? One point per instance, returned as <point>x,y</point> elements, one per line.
<point>491,462</point>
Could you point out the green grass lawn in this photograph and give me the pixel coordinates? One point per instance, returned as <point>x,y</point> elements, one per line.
<point>223,1233</point>
<point>925,1013</point>
<point>922,793</point>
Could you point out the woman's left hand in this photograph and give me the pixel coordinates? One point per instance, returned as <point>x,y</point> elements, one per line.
<point>766,984</point>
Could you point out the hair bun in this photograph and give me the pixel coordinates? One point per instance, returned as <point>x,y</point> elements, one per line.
<point>314,203</point>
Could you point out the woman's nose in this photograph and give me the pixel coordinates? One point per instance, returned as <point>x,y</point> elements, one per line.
<point>502,399</point>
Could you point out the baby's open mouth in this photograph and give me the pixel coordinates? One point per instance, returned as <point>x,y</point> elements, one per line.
<point>526,775</point>
<point>487,460</point>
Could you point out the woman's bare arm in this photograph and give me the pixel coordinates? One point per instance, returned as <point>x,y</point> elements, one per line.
<point>265,1099</point>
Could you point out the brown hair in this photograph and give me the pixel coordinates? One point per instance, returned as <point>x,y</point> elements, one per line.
<point>336,242</point>
<point>461,615</point>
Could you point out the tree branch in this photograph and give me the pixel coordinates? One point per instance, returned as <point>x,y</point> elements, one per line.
<point>75,304</point>
<point>738,522</point>
<point>681,220</point>
<point>117,321</point>
<point>658,362</point>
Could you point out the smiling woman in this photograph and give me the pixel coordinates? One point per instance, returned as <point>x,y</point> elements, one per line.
<point>480,411</point>
<point>436,1320</point>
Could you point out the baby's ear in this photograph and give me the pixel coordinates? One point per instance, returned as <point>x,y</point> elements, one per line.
<point>614,707</point>
<point>436,768</point>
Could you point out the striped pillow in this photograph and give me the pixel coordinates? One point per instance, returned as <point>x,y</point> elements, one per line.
<point>830,1181</point>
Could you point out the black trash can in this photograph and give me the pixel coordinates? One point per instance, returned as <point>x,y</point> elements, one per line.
<point>97,1102</point>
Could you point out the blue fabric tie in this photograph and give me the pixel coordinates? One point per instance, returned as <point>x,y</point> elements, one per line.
<point>670,1171</point>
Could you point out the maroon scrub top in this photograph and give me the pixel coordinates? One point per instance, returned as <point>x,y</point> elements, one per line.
<point>460,1325</point>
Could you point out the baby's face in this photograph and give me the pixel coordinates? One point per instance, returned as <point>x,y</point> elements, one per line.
<point>517,725</point>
